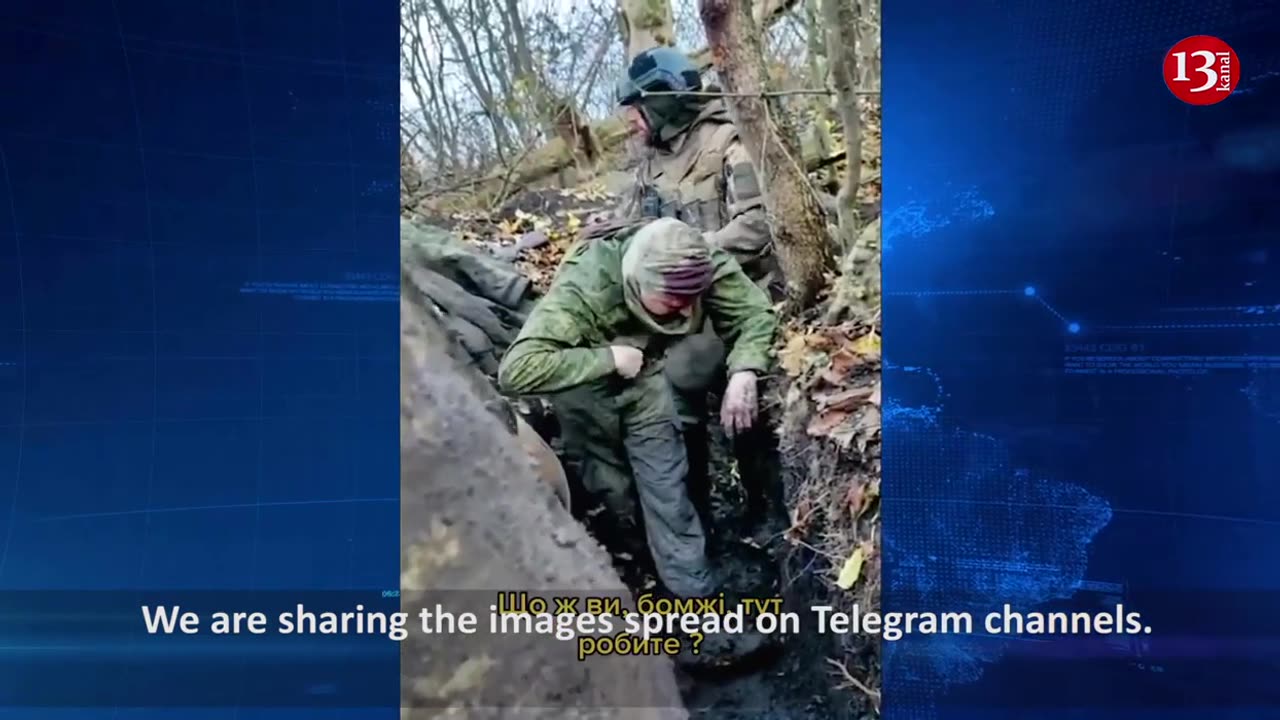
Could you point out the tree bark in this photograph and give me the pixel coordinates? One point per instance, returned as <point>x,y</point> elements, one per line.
<point>800,234</point>
<point>646,24</point>
<point>766,13</point>
<point>857,293</point>
<point>840,21</point>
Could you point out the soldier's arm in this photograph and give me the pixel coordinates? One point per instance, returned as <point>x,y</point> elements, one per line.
<point>741,314</point>
<point>746,234</point>
<point>551,353</point>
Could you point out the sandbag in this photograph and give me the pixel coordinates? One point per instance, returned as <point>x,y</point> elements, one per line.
<point>479,303</point>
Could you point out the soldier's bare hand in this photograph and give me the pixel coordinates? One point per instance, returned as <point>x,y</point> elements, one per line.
<point>738,410</point>
<point>627,360</point>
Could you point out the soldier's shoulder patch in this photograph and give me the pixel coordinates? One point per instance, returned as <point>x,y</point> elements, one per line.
<point>745,184</point>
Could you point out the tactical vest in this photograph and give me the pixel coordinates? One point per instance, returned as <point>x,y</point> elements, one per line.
<point>689,185</point>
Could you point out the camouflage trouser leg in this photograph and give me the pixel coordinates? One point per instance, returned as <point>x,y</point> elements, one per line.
<point>629,429</point>
<point>591,431</point>
<point>655,448</point>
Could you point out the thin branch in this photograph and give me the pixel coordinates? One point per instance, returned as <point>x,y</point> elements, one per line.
<point>529,146</point>
<point>872,695</point>
<point>762,94</point>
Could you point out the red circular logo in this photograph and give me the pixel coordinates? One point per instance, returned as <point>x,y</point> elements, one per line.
<point>1201,70</point>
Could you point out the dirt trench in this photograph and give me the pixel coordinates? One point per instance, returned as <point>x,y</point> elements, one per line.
<point>793,681</point>
<point>474,517</point>
<point>475,521</point>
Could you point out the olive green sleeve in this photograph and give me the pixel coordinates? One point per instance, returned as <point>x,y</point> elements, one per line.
<point>550,353</point>
<point>742,315</point>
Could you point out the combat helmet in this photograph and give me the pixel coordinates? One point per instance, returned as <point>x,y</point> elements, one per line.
<point>662,70</point>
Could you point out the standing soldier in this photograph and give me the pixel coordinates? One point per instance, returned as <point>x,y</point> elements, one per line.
<point>695,168</point>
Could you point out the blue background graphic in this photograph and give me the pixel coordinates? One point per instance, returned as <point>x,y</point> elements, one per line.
<point>198,386</point>
<point>1082,341</point>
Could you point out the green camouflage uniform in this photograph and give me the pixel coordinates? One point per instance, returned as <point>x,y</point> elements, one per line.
<point>699,172</point>
<point>616,429</point>
<point>696,168</point>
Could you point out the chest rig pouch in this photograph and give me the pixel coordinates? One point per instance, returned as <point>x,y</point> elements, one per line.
<point>688,183</point>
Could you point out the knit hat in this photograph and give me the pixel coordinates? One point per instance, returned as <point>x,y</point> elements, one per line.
<point>666,257</point>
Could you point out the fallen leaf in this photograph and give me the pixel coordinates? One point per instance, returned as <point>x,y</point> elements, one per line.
<point>851,571</point>
<point>794,356</point>
<point>509,228</point>
<point>875,396</point>
<point>819,341</point>
<point>867,496</point>
<point>844,435</point>
<point>868,344</point>
<point>799,520</point>
<point>854,497</point>
<point>850,399</point>
<point>825,423</point>
<point>842,361</point>
<point>802,510</point>
<point>870,419</point>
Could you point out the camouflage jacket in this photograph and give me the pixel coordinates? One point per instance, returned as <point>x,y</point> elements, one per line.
<point>705,178</point>
<point>566,340</point>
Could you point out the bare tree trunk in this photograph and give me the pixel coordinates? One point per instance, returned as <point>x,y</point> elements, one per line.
<point>531,87</point>
<point>646,24</point>
<point>868,23</point>
<point>857,291</point>
<point>512,102</point>
<point>795,212</point>
<point>840,20</point>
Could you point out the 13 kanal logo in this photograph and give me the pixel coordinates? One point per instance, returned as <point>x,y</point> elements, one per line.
<point>1201,70</point>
